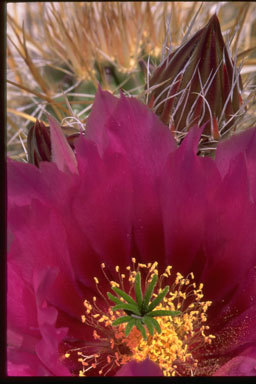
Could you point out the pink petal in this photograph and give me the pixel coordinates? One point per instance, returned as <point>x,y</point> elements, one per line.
<point>144,368</point>
<point>33,338</point>
<point>238,332</point>
<point>127,126</point>
<point>20,298</point>
<point>62,153</point>
<point>102,208</point>
<point>228,150</point>
<point>187,186</point>
<point>24,182</point>
<point>47,242</point>
<point>242,365</point>
<point>47,348</point>
<point>103,107</point>
<point>130,128</point>
<point>47,184</point>
<point>230,242</point>
<point>22,363</point>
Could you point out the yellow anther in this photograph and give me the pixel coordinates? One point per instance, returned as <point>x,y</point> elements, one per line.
<point>155,264</point>
<point>177,333</point>
<point>67,355</point>
<point>114,284</point>
<point>95,335</point>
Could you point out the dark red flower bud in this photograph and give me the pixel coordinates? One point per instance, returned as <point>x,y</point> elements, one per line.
<point>39,143</point>
<point>200,84</point>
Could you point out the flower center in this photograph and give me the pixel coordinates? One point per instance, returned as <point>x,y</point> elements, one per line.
<point>166,326</point>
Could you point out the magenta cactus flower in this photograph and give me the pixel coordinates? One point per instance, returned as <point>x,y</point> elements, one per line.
<point>131,256</point>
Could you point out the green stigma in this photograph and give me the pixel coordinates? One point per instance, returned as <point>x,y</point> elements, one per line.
<point>140,312</point>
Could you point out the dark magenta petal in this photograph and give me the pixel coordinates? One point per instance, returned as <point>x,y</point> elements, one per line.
<point>201,215</point>
<point>56,190</point>
<point>244,296</point>
<point>187,185</point>
<point>24,183</point>
<point>47,184</point>
<point>20,298</point>
<point>242,365</point>
<point>23,333</point>
<point>33,340</point>
<point>47,348</point>
<point>22,363</point>
<point>62,154</point>
<point>44,243</point>
<point>145,368</point>
<point>102,207</point>
<point>238,332</point>
<point>103,106</point>
<point>230,242</point>
<point>227,150</point>
<point>128,127</point>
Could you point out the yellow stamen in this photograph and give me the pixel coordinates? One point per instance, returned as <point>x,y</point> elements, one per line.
<point>178,334</point>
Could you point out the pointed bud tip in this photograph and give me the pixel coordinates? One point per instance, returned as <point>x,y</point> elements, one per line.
<point>38,143</point>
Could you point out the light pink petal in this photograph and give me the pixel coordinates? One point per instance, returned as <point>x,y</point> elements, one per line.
<point>62,154</point>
